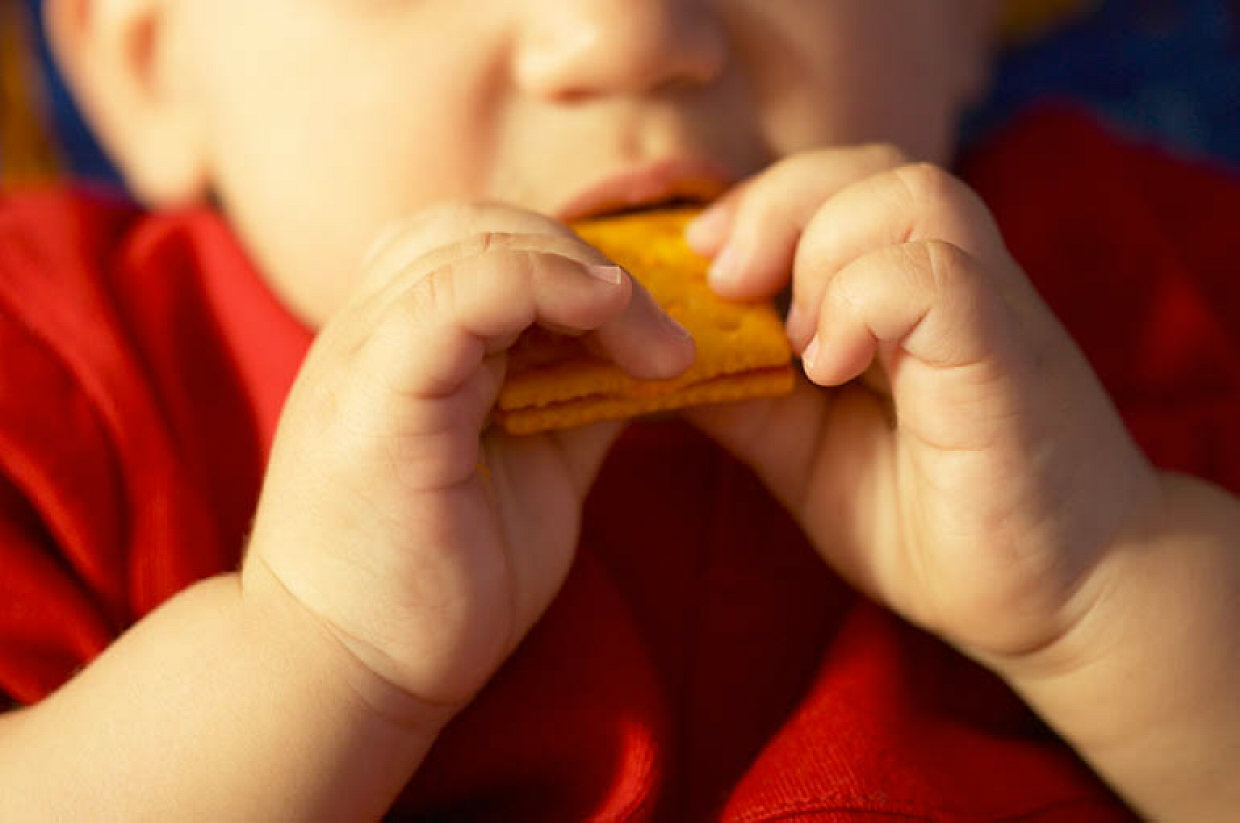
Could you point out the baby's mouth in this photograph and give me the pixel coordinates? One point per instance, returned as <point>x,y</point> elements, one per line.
<point>666,183</point>
<point>669,203</point>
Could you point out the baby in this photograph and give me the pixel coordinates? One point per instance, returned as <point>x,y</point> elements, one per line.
<point>399,173</point>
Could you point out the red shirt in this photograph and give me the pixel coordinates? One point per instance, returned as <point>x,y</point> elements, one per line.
<point>701,662</point>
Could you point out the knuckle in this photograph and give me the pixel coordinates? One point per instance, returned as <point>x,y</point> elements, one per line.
<point>767,199</point>
<point>795,167</point>
<point>943,205</point>
<point>885,155</point>
<point>464,218</point>
<point>415,318</point>
<point>927,184</point>
<point>948,266</point>
<point>490,240</point>
<point>770,187</point>
<point>841,294</point>
<point>446,218</point>
<point>432,297</point>
<point>511,220</point>
<point>753,195</point>
<point>482,244</point>
<point>501,270</point>
<point>761,203</point>
<point>466,212</point>
<point>794,164</point>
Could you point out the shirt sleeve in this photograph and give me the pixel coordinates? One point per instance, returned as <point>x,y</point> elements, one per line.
<point>67,512</point>
<point>102,516</point>
<point>61,582</point>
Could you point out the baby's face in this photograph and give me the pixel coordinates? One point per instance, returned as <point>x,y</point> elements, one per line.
<point>324,120</point>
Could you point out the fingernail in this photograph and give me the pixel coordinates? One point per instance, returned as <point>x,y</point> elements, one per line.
<point>797,325</point>
<point>705,232</point>
<point>726,269</point>
<point>675,326</point>
<point>809,359</point>
<point>608,274</point>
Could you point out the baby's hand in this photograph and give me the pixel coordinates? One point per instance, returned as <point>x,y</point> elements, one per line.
<point>977,473</point>
<point>425,547</point>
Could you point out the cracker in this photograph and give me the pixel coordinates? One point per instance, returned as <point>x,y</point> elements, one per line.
<point>555,381</point>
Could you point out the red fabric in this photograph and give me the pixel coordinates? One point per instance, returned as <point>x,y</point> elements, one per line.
<point>701,662</point>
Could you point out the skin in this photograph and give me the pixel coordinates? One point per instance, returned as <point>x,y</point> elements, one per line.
<point>944,483</point>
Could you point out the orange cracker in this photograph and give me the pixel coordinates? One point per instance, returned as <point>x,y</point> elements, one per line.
<point>555,382</point>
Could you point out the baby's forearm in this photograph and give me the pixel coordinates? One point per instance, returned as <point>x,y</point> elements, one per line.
<point>1147,686</point>
<point>212,708</point>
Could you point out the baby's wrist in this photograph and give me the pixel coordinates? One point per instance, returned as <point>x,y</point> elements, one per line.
<point>1151,666</point>
<point>1089,575</point>
<point>1082,636</point>
<point>288,623</point>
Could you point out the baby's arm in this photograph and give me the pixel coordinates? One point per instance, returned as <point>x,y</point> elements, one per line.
<point>978,480</point>
<point>1146,685</point>
<point>224,704</point>
<point>387,576</point>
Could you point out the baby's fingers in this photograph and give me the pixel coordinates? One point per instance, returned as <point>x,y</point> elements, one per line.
<point>906,204</point>
<point>753,232</point>
<point>929,300</point>
<point>443,324</point>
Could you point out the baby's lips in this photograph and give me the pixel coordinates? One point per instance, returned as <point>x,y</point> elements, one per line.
<point>674,180</point>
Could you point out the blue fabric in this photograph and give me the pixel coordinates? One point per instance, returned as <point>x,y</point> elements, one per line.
<point>79,150</point>
<point>1168,70</point>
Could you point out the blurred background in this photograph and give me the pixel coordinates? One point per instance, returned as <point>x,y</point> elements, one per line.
<point>1162,70</point>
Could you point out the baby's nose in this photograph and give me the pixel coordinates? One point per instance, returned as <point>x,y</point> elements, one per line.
<point>576,49</point>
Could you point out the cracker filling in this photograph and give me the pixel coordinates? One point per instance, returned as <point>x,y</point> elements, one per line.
<point>591,408</point>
